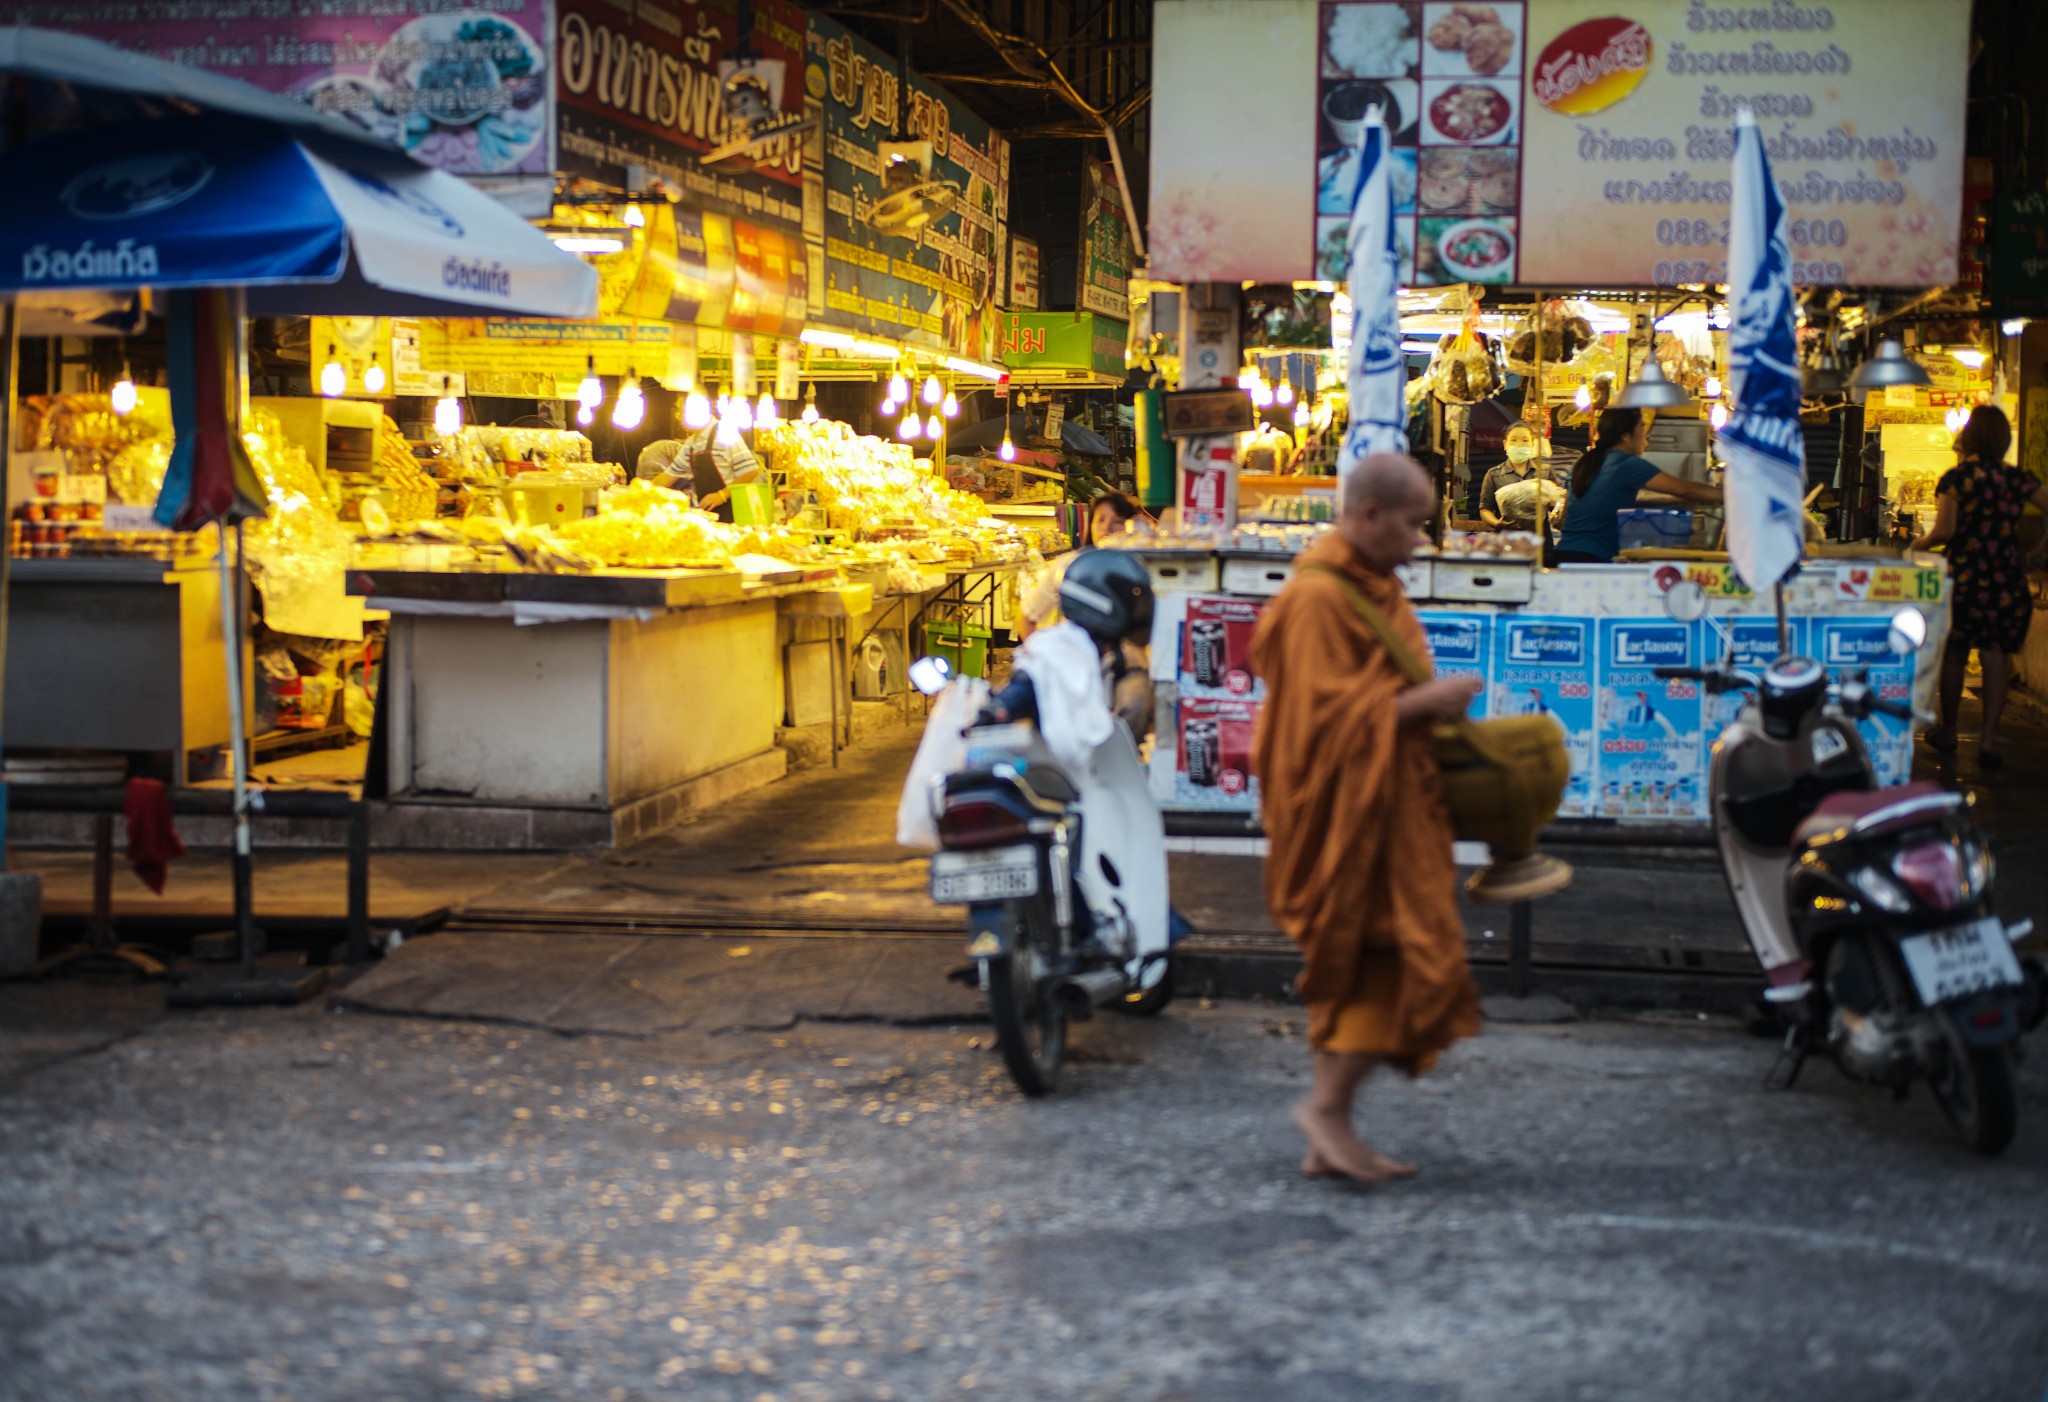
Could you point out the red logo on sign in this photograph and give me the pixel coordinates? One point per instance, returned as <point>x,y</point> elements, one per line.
<point>1592,66</point>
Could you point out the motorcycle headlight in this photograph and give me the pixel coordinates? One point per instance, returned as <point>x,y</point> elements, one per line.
<point>1880,890</point>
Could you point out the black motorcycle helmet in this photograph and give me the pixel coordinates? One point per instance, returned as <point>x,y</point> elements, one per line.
<point>1109,593</point>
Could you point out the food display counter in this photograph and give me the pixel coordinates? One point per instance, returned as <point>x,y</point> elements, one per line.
<point>1578,643</point>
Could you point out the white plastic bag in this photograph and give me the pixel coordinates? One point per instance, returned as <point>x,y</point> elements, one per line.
<point>942,751</point>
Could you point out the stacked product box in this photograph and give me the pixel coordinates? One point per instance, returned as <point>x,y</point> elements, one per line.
<point>1209,709</point>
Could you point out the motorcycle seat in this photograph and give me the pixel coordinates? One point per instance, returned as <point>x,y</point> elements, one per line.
<point>1871,812</point>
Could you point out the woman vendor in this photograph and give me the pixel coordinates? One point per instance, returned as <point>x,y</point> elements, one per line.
<point>1517,510</point>
<point>1605,482</point>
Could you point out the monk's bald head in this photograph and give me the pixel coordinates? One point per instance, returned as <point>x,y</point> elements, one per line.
<point>1386,500</point>
<point>1390,479</point>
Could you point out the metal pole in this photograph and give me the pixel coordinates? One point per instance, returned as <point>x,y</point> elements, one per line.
<point>1784,624</point>
<point>1519,921</point>
<point>358,881</point>
<point>10,340</point>
<point>238,744</point>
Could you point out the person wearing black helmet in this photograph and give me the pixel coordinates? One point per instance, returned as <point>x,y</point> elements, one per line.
<point>1106,606</point>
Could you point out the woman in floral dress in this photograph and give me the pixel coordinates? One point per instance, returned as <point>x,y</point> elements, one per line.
<point>1979,503</point>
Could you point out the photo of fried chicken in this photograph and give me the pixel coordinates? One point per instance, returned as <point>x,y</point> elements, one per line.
<point>1477,34</point>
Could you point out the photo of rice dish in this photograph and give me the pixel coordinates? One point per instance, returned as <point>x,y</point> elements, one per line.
<point>1371,41</point>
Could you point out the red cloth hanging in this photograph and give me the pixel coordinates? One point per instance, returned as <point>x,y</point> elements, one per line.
<point>153,842</point>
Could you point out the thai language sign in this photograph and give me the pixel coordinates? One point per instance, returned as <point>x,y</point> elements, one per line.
<point>1565,143</point>
<point>464,87</point>
<point>938,282</point>
<point>1860,104</point>
<point>642,86</point>
<point>1105,251</point>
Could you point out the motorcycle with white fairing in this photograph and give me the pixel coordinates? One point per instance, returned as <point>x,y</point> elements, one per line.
<point>1870,909</point>
<point>1062,868</point>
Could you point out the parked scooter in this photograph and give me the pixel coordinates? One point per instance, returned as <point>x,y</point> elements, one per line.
<point>1064,880</point>
<point>1061,862</point>
<point>1870,909</point>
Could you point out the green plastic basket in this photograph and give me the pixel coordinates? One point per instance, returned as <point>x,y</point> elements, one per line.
<point>962,644</point>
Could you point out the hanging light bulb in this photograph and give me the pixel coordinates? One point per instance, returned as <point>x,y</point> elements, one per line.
<point>950,406</point>
<point>888,406</point>
<point>933,390</point>
<point>724,402</point>
<point>935,428</point>
<point>1008,452</point>
<point>1718,417</point>
<point>1247,378</point>
<point>696,411</point>
<point>123,392</point>
<point>740,413</point>
<point>333,376</point>
<point>447,410</point>
<point>590,393</point>
<point>766,412</point>
<point>909,429</point>
<point>631,405</point>
<point>634,218</point>
<point>810,414</point>
<point>585,415</point>
<point>1301,414</point>
<point>1582,398</point>
<point>373,376</point>
<point>1283,394</point>
<point>1262,393</point>
<point>1712,388</point>
<point>899,388</point>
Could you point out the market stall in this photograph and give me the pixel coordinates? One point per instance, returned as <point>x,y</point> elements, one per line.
<point>1577,643</point>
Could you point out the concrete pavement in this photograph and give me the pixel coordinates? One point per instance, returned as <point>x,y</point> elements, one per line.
<point>318,1205</point>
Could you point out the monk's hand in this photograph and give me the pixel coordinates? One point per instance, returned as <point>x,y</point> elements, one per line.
<point>1439,699</point>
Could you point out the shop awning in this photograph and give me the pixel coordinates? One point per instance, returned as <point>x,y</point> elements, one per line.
<point>310,222</point>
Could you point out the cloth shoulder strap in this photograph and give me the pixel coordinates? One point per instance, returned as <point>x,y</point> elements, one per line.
<point>1411,666</point>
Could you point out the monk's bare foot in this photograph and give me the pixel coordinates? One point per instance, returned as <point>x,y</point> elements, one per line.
<point>1334,1151</point>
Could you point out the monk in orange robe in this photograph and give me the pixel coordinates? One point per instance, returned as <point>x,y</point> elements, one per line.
<point>1359,870</point>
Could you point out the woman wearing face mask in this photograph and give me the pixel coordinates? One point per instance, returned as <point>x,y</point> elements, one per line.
<point>1521,510</point>
<point>1605,482</point>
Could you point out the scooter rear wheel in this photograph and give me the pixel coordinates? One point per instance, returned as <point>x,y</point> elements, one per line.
<point>1975,1090</point>
<point>1031,1029</point>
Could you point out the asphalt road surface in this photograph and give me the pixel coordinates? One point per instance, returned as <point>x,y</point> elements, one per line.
<point>321,1205</point>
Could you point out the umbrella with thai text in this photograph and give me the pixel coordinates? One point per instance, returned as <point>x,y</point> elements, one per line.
<point>1377,371</point>
<point>1762,443</point>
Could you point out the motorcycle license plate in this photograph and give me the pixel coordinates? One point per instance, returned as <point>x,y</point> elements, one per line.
<point>1952,964</point>
<point>969,878</point>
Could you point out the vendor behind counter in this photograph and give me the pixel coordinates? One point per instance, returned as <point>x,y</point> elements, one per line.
<point>1606,481</point>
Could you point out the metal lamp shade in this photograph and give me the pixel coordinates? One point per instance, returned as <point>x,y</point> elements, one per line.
<point>1652,391</point>
<point>1888,367</point>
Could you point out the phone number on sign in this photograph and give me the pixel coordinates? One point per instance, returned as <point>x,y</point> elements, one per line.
<point>1708,233</point>
<point>1675,273</point>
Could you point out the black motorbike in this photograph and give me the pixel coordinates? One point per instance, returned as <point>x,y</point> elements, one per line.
<point>1871,910</point>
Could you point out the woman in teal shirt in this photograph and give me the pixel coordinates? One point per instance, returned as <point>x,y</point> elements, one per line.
<point>1605,481</point>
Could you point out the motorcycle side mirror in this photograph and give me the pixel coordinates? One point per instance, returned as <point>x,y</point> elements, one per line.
<point>930,674</point>
<point>1908,631</point>
<point>1686,601</point>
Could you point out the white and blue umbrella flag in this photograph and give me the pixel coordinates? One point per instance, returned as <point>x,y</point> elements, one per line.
<point>1378,374</point>
<point>1762,445</point>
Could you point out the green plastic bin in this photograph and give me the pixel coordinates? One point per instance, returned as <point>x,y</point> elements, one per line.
<point>963,644</point>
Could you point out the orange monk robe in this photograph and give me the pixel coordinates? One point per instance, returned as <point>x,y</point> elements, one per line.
<point>1359,871</point>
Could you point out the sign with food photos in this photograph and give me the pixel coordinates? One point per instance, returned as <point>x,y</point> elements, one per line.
<point>1567,142</point>
<point>1447,78</point>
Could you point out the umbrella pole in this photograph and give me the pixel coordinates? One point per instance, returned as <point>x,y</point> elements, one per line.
<point>10,366</point>
<point>238,745</point>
